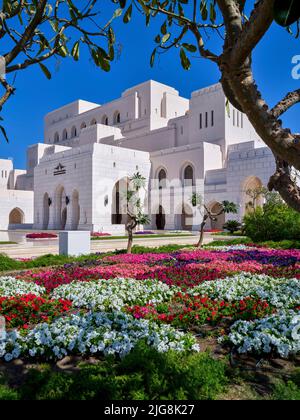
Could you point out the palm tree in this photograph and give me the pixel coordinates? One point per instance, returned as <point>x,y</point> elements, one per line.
<point>135,215</point>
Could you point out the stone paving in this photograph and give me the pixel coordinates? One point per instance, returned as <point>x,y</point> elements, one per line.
<point>38,248</point>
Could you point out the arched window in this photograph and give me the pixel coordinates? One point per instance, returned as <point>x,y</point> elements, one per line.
<point>74,132</point>
<point>65,135</point>
<point>162,176</point>
<point>56,138</point>
<point>83,125</point>
<point>94,121</point>
<point>104,120</point>
<point>188,176</point>
<point>117,117</point>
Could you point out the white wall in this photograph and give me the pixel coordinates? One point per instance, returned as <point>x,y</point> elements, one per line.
<point>10,200</point>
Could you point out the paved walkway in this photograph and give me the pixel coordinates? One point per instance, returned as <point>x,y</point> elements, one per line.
<point>36,249</point>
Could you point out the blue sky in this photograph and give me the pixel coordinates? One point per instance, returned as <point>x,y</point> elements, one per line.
<point>36,95</point>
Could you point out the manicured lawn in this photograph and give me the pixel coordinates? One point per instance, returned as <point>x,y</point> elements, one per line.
<point>167,235</point>
<point>221,322</point>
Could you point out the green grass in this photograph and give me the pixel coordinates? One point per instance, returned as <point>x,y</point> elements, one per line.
<point>8,264</point>
<point>144,374</point>
<point>288,244</point>
<point>167,235</point>
<point>8,243</point>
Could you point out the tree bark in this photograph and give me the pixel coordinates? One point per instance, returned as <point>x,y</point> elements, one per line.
<point>202,226</point>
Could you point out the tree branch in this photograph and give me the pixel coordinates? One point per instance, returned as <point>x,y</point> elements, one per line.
<point>291,99</point>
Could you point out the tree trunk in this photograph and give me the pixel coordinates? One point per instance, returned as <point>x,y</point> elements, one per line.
<point>202,226</point>
<point>130,241</point>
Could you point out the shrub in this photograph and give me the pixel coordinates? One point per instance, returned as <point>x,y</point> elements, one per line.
<point>7,263</point>
<point>232,226</point>
<point>286,391</point>
<point>142,375</point>
<point>273,222</point>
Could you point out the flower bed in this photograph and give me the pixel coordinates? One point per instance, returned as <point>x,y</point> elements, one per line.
<point>99,234</point>
<point>278,334</point>
<point>23,311</point>
<point>9,287</point>
<point>147,292</point>
<point>186,310</point>
<point>108,295</point>
<point>280,293</point>
<point>41,236</point>
<point>94,333</point>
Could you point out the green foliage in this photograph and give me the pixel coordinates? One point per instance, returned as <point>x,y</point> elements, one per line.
<point>239,241</point>
<point>232,226</point>
<point>273,221</point>
<point>7,264</point>
<point>289,390</point>
<point>6,393</point>
<point>229,207</point>
<point>143,375</point>
<point>286,12</point>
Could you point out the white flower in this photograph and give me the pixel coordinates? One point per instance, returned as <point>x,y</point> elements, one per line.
<point>10,287</point>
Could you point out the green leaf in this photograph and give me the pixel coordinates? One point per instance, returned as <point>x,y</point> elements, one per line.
<point>128,14</point>
<point>185,62</point>
<point>286,12</point>
<point>203,10</point>
<point>212,13</point>
<point>153,55</point>
<point>117,13</point>
<point>189,47</point>
<point>2,129</point>
<point>163,28</point>
<point>45,71</point>
<point>165,38</point>
<point>75,51</point>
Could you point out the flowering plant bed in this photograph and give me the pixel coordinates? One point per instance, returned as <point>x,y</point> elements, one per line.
<point>41,236</point>
<point>22,311</point>
<point>117,300</point>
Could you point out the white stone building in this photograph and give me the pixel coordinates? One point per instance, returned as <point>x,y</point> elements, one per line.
<point>74,180</point>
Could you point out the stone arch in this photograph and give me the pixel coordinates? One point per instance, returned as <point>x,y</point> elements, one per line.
<point>94,121</point>
<point>187,217</point>
<point>16,217</point>
<point>56,138</point>
<point>83,125</point>
<point>65,134</point>
<point>61,211</point>
<point>251,202</point>
<point>188,174</point>
<point>117,117</point>
<point>118,206</point>
<point>75,210</point>
<point>161,177</point>
<point>74,131</point>
<point>215,207</point>
<point>46,211</point>
<point>104,120</point>
<point>160,218</point>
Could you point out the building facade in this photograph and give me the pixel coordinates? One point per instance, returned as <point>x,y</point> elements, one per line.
<point>76,178</point>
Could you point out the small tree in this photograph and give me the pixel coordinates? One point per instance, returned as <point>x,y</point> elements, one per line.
<point>134,207</point>
<point>232,226</point>
<point>226,207</point>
